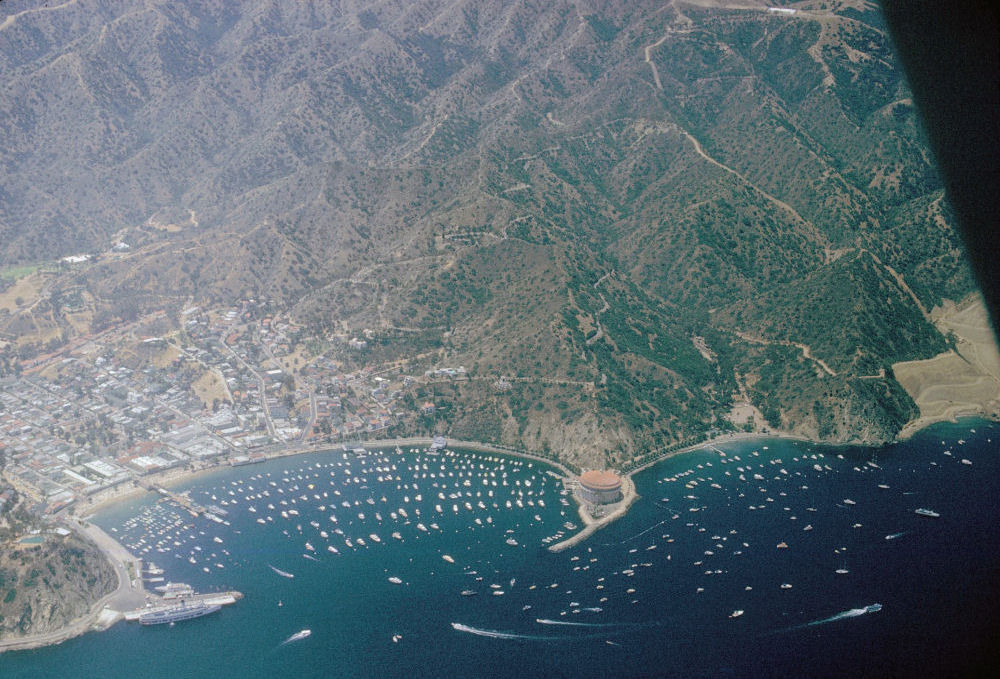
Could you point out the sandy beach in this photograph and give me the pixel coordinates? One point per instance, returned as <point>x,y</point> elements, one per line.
<point>962,381</point>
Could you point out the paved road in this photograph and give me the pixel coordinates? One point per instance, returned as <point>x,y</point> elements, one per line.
<point>261,388</point>
<point>128,596</point>
<point>130,593</point>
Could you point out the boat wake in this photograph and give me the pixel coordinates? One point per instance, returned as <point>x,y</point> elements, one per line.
<point>852,613</point>
<point>600,629</point>
<point>594,625</point>
<point>281,572</point>
<point>639,535</point>
<point>499,634</point>
<point>843,615</point>
<point>297,637</point>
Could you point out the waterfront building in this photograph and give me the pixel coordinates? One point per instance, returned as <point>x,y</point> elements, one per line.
<point>600,487</point>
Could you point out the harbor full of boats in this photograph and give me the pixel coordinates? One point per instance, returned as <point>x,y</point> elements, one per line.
<point>434,557</point>
<point>355,501</point>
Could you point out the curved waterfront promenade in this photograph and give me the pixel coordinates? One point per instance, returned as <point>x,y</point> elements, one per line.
<point>102,500</point>
<point>424,442</point>
<point>105,611</point>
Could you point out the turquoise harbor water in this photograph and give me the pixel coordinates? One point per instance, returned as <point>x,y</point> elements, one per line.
<point>651,595</point>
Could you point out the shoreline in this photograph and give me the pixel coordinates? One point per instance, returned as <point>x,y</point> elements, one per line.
<point>592,525</point>
<point>97,619</point>
<point>178,476</point>
<point>101,616</point>
<point>729,438</point>
<point>915,426</point>
<point>171,477</point>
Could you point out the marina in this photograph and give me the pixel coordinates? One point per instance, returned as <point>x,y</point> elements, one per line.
<point>772,551</point>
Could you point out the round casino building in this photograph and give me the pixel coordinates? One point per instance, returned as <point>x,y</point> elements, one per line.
<point>600,488</point>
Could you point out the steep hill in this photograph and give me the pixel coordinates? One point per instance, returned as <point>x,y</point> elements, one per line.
<point>47,586</point>
<point>638,209</point>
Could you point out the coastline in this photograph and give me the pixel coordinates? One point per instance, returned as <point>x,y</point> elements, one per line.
<point>104,612</point>
<point>176,476</point>
<point>729,438</point>
<point>101,616</point>
<point>130,490</point>
<point>963,381</point>
<point>592,525</point>
<point>916,425</point>
<point>98,619</point>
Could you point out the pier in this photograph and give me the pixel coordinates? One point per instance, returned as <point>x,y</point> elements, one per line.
<point>186,503</point>
<point>157,603</point>
<point>592,524</point>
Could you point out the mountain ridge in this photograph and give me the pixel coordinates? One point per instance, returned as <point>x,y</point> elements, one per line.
<point>474,172</point>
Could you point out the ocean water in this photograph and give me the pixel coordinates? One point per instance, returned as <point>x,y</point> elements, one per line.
<point>654,594</point>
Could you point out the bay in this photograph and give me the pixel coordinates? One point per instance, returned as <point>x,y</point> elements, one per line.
<point>761,527</point>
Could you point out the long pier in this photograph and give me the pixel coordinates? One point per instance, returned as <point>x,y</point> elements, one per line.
<point>185,503</point>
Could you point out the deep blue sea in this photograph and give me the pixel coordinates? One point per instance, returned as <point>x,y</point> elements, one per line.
<point>761,527</point>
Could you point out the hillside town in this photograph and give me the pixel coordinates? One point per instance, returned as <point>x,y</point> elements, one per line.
<point>233,385</point>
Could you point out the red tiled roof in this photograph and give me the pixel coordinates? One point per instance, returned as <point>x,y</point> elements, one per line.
<point>596,480</point>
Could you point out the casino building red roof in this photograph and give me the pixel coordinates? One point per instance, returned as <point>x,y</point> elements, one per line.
<point>595,480</point>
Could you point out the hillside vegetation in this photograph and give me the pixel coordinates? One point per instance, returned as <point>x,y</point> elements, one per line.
<point>44,587</point>
<point>640,212</point>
